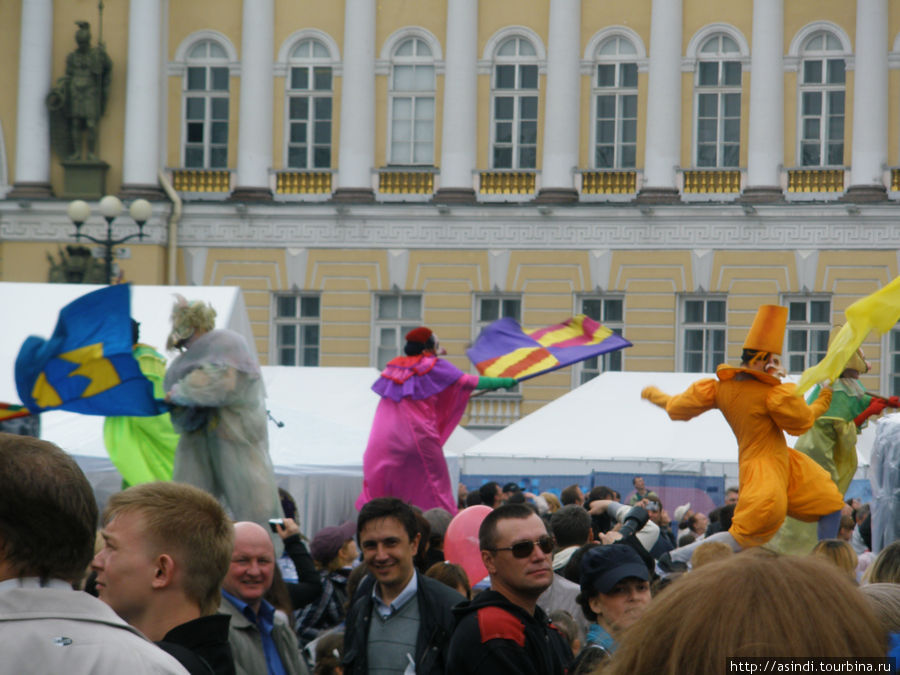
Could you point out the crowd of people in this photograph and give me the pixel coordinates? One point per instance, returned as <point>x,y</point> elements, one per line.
<point>572,583</point>
<point>211,572</point>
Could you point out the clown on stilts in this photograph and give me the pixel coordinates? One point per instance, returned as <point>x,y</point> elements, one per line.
<point>423,397</point>
<point>775,480</point>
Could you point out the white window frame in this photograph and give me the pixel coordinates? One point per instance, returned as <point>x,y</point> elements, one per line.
<point>890,375</point>
<point>478,323</point>
<point>819,330</point>
<point>720,90</point>
<point>629,57</point>
<point>824,55</point>
<point>612,361</point>
<point>312,63</point>
<point>299,321</point>
<point>518,94</point>
<point>207,95</point>
<point>415,61</point>
<point>708,351</point>
<point>402,325</point>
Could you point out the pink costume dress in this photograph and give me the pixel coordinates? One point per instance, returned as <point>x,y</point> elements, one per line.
<point>422,400</point>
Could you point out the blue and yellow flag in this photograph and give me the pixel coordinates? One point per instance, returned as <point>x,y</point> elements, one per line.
<point>504,349</point>
<point>87,365</point>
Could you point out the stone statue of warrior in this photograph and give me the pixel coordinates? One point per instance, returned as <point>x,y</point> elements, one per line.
<point>81,95</point>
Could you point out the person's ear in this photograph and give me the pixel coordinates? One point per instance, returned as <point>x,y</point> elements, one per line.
<point>487,559</point>
<point>164,574</point>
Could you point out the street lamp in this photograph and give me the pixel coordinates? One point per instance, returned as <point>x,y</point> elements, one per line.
<point>110,208</point>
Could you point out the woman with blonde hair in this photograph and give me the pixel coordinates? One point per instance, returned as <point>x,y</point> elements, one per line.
<point>839,553</point>
<point>752,604</point>
<point>886,568</point>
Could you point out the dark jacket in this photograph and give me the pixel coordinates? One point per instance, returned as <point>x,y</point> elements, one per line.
<point>436,622</point>
<point>495,636</point>
<point>308,586</point>
<point>201,645</point>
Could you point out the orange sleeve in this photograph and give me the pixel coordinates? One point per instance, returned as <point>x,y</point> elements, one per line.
<point>696,399</point>
<point>791,413</point>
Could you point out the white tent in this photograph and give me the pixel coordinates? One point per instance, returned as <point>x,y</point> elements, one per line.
<point>604,425</point>
<point>325,413</point>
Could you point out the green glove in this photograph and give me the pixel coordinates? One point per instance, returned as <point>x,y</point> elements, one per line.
<point>496,382</point>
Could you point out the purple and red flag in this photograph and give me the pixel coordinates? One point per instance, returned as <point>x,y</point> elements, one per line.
<point>504,349</point>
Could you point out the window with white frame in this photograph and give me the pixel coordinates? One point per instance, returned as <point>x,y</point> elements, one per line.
<point>718,104</point>
<point>412,103</point>
<point>206,107</point>
<point>489,308</point>
<point>515,105</point>
<point>703,334</point>
<point>395,315</point>
<point>297,321</point>
<point>808,328</point>
<point>610,312</point>
<point>615,100</point>
<point>309,106</point>
<point>821,90</point>
<point>894,350</point>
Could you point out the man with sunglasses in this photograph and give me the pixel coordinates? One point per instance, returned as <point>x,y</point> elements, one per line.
<point>503,630</point>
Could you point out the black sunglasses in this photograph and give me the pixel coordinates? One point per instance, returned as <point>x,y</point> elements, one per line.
<point>523,549</point>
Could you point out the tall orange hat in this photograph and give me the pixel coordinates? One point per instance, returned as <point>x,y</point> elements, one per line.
<point>767,332</point>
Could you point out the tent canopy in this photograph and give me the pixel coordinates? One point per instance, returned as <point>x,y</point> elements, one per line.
<point>325,413</point>
<point>605,425</point>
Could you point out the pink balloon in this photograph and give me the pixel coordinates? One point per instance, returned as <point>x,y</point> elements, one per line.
<point>461,542</point>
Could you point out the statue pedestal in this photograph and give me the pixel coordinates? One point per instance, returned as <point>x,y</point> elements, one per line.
<point>84,178</point>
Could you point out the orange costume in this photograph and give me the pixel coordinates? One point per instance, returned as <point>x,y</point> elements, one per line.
<point>775,480</point>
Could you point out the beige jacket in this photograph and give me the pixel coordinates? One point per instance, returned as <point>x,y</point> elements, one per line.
<point>58,630</point>
<point>247,647</point>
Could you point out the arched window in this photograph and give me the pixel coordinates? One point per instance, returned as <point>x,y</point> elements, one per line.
<point>718,103</point>
<point>515,105</point>
<point>412,85</point>
<point>205,96</point>
<point>309,106</point>
<point>821,91</point>
<point>615,104</point>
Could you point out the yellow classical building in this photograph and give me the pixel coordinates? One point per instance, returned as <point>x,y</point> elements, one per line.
<point>359,167</point>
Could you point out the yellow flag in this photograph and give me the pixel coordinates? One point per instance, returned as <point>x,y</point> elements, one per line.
<point>879,311</point>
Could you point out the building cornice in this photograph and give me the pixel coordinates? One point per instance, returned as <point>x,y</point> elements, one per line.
<point>399,226</point>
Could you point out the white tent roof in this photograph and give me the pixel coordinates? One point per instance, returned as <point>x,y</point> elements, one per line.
<point>33,309</point>
<point>604,425</point>
<point>326,412</point>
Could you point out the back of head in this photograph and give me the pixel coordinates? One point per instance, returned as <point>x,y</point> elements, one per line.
<point>884,599</point>
<point>571,526</point>
<point>48,515</point>
<point>188,524</point>
<point>886,568</point>
<point>600,492</point>
<point>753,604</point>
<point>839,553</point>
<point>552,500</point>
<point>709,552</point>
<point>487,532</point>
<point>488,492</point>
<point>451,575</point>
<point>569,495</point>
<point>329,650</point>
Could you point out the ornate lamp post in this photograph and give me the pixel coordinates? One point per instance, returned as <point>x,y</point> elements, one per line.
<point>110,208</point>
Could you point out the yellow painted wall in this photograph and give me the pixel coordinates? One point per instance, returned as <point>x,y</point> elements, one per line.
<point>10,25</point>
